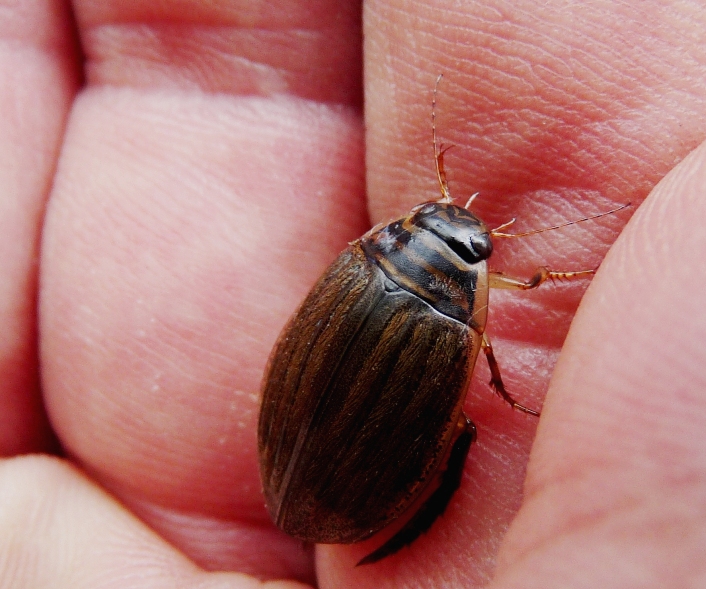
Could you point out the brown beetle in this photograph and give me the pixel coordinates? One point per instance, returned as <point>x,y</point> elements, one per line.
<point>361,420</point>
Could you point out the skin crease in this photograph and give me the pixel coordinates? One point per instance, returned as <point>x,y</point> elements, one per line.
<point>206,170</point>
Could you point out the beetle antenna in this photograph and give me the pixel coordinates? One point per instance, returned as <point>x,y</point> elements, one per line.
<point>497,232</point>
<point>439,151</point>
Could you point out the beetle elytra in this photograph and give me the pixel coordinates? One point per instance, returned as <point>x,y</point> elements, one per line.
<point>361,420</point>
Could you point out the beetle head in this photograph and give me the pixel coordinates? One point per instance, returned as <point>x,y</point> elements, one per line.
<point>460,229</point>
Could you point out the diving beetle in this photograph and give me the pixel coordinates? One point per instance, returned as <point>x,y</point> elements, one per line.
<point>361,421</point>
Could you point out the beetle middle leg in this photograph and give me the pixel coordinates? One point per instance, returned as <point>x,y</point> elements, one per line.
<point>435,504</point>
<point>496,381</point>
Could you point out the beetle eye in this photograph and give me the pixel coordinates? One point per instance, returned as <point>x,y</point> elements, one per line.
<point>481,245</point>
<point>478,248</point>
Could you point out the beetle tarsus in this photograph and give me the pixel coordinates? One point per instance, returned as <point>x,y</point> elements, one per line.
<point>541,275</point>
<point>437,502</point>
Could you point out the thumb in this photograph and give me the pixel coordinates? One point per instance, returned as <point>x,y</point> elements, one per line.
<point>616,492</point>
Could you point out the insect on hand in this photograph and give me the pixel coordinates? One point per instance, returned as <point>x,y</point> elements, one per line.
<point>361,420</point>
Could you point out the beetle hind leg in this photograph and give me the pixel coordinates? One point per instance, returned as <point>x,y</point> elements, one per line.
<point>436,504</point>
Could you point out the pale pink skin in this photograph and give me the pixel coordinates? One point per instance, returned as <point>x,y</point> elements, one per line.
<point>209,169</point>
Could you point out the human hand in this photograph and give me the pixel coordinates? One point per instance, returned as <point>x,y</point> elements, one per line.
<point>198,195</point>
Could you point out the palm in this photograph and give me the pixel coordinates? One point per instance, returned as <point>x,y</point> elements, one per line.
<point>208,170</point>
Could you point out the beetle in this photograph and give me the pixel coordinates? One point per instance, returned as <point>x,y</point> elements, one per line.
<point>361,421</point>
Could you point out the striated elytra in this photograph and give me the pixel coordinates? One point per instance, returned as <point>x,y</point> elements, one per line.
<point>361,420</point>
<point>364,389</point>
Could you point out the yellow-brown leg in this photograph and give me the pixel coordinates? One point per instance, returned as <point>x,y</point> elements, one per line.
<point>496,381</point>
<point>542,274</point>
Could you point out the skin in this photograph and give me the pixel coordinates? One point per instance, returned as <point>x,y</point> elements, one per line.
<point>176,175</point>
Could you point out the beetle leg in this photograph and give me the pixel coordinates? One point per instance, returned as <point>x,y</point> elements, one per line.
<point>496,381</point>
<point>500,280</point>
<point>436,503</point>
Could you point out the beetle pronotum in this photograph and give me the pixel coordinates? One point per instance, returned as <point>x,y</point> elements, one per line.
<point>361,420</point>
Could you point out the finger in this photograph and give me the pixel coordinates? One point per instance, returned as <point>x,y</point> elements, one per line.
<point>555,114</point>
<point>186,223</point>
<point>615,487</point>
<point>39,80</point>
<point>60,530</point>
<point>535,99</point>
<point>304,49</point>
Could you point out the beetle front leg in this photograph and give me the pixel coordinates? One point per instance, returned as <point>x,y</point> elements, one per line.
<point>542,274</point>
<point>496,381</point>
